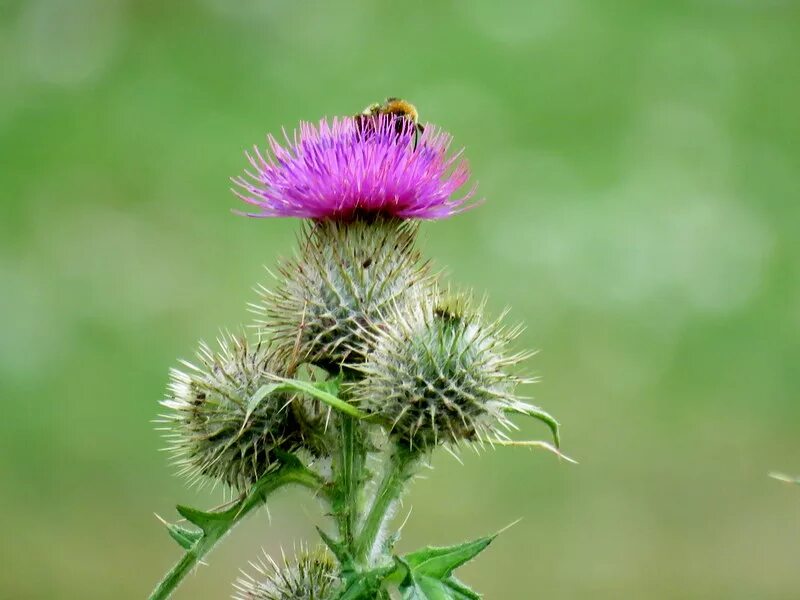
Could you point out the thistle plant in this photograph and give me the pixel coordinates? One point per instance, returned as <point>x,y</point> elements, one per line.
<point>360,365</point>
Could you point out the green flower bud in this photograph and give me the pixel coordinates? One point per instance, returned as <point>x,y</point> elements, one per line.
<point>347,276</point>
<point>309,576</point>
<point>222,425</point>
<point>439,374</point>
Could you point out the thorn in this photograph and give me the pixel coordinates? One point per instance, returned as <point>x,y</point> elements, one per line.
<point>535,444</point>
<point>784,478</point>
<point>509,526</point>
<point>408,516</point>
<point>453,454</point>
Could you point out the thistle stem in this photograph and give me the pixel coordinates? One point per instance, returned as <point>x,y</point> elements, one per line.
<point>172,579</point>
<point>218,524</point>
<point>352,455</point>
<point>398,470</point>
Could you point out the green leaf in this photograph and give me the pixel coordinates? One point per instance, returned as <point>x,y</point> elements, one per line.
<point>365,585</point>
<point>327,391</point>
<point>288,460</point>
<point>320,391</point>
<point>338,548</point>
<point>261,393</point>
<point>529,410</point>
<point>332,385</point>
<point>461,588</point>
<point>215,525</point>
<point>441,562</point>
<point>187,538</point>
<point>428,588</point>
<point>207,521</point>
<point>429,571</point>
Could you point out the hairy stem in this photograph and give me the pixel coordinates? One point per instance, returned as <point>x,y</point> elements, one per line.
<point>352,456</point>
<point>172,579</point>
<point>216,525</point>
<point>398,470</point>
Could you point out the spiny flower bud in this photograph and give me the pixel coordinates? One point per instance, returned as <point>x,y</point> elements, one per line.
<point>439,374</point>
<point>309,576</point>
<point>347,276</point>
<point>222,425</point>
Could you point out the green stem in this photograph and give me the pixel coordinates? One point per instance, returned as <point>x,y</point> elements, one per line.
<point>172,579</point>
<point>352,455</point>
<point>216,525</point>
<point>398,470</point>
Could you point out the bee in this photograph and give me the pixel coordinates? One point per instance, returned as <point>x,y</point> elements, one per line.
<point>396,107</point>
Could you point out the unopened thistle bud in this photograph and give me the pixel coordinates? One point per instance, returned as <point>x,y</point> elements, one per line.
<point>439,374</point>
<point>346,278</point>
<point>308,576</point>
<point>222,425</point>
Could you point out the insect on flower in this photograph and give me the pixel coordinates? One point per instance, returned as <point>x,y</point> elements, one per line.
<point>400,110</point>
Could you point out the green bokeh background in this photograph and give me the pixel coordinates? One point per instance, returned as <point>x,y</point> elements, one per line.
<point>639,162</point>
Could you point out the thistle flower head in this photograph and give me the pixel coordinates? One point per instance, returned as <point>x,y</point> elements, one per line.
<point>222,425</point>
<point>339,169</point>
<point>440,374</point>
<point>308,576</point>
<point>347,277</point>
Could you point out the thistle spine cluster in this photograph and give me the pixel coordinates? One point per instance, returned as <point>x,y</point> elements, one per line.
<point>309,575</point>
<point>345,280</point>
<point>440,374</point>
<point>213,431</point>
<point>359,355</point>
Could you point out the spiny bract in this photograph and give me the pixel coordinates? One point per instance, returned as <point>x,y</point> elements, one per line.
<point>438,374</point>
<point>309,576</point>
<point>347,277</point>
<point>219,425</point>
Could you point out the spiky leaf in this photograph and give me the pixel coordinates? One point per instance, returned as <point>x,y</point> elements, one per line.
<point>215,525</point>
<point>428,588</point>
<point>429,571</point>
<point>366,585</point>
<point>440,562</point>
<point>339,549</point>
<point>207,521</point>
<point>185,537</point>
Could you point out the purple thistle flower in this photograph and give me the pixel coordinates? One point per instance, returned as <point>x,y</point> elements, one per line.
<point>345,168</point>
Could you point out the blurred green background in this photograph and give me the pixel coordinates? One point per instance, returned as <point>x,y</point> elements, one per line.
<point>639,162</point>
